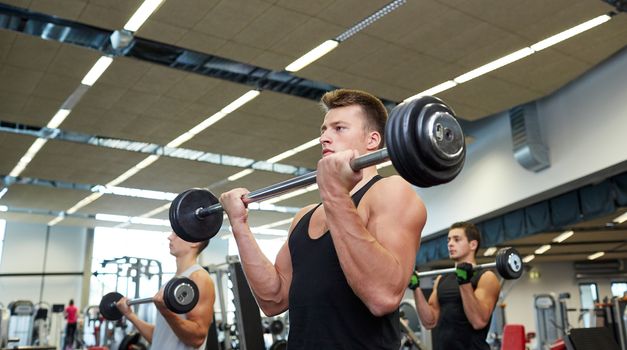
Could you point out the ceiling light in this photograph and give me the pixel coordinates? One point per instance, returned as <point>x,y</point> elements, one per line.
<point>312,56</point>
<point>294,150</point>
<point>528,258</point>
<point>564,236</point>
<point>619,220</point>
<point>384,164</point>
<point>135,192</point>
<point>3,192</point>
<point>293,194</point>
<point>569,33</point>
<point>58,118</point>
<point>85,201</point>
<point>486,68</point>
<point>96,71</point>
<point>242,100</point>
<point>207,123</point>
<point>181,139</point>
<point>239,175</point>
<point>141,15</point>
<point>112,218</point>
<point>150,221</point>
<point>57,219</point>
<point>370,19</point>
<point>28,157</point>
<point>268,231</point>
<point>596,255</point>
<point>433,91</point>
<point>490,251</point>
<point>543,249</point>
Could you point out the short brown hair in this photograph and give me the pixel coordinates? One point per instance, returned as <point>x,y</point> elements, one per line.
<point>471,231</point>
<point>375,111</point>
<point>202,246</point>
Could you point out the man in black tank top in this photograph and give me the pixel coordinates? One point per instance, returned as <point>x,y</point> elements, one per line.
<point>343,271</point>
<point>461,304</point>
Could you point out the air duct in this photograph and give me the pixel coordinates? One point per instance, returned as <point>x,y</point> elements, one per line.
<point>529,149</point>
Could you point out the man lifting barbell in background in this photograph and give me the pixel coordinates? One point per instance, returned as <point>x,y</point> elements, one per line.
<point>342,272</point>
<point>460,307</point>
<point>172,331</point>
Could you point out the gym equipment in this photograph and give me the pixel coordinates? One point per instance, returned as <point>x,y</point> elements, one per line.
<point>131,341</point>
<point>424,142</point>
<point>507,263</point>
<point>180,295</point>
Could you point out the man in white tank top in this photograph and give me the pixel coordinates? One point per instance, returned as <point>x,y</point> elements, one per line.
<point>179,332</point>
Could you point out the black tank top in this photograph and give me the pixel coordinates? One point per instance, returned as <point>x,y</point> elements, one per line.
<point>325,313</point>
<point>454,331</point>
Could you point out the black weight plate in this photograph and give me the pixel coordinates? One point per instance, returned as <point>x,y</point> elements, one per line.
<point>508,263</point>
<point>279,345</point>
<point>442,150</point>
<point>180,295</point>
<point>183,217</point>
<point>397,142</point>
<point>107,307</point>
<point>128,340</point>
<point>406,154</point>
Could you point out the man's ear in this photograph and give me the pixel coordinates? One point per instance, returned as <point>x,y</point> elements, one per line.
<point>374,140</point>
<point>474,245</point>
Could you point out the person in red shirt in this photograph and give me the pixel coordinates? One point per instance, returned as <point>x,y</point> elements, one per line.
<point>71,315</point>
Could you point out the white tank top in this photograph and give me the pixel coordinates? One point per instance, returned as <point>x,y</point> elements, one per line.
<point>163,338</point>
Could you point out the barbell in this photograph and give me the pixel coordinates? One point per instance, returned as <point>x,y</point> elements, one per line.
<point>180,296</point>
<point>425,144</point>
<point>507,263</point>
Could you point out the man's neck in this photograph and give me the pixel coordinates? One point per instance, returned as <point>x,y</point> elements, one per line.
<point>368,174</point>
<point>184,262</point>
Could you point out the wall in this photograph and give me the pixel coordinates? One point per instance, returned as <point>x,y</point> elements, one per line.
<point>25,252</point>
<point>579,125</point>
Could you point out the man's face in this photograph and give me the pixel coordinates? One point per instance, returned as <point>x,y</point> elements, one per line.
<point>344,129</point>
<point>458,245</point>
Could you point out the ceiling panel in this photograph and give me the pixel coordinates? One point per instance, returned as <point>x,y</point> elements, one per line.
<point>45,198</point>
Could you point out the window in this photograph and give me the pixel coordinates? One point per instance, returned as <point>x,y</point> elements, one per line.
<point>589,294</point>
<point>618,288</point>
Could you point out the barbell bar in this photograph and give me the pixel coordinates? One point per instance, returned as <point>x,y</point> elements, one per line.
<point>507,263</point>
<point>180,296</point>
<point>425,144</point>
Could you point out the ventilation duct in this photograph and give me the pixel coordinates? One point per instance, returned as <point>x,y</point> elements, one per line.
<point>601,267</point>
<point>529,149</point>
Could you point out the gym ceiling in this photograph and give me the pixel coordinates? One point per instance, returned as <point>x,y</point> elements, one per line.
<point>144,98</point>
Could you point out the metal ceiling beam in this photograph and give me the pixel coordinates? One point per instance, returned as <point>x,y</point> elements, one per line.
<point>71,32</point>
<point>150,148</point>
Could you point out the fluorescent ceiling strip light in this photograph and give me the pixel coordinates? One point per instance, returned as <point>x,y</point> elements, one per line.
<point>149,221</point>
<point>595,255</point>
<point>3,191</point>
<point>268,231</point>
<point>312,56</point>
<point>276,223</point>
<point>496,64</point>
<point>56,220</point>
<point>4,208</point>
<point>569,33</point>
<point>620,219</point>
<point>528,258</point>
<point>83,202</point>
<point>28,157</point>
<point>240,174</point>
<point>96,71</point>
<point>242,100</point>
<point>384,164</point>
<point>141,15</point>
<point>135,192</point>
<point>132,171</point>
<point>207,123</point>
<point>433,91</point>
<point>181,139</point>
<point>293,194</point>
<point>564,236</point>
<point>294,150</point>
<point>490,251</point>
<point>543,249</point>
<point>58,118</point>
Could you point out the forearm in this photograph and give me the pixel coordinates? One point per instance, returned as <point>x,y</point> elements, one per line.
<point>145,329</point>
<point>264,280</point>
<point>427,316</point>
<point>380,286</point>
<point>477,314</point>
<point>189,332</point>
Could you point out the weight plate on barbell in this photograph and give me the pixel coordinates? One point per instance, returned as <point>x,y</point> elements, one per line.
<point>180,295</point>
<point>508,263</point>
<point>183,217</point>
<point>107,306</point>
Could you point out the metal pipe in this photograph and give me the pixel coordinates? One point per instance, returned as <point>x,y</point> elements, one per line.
<point>356,164</point>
